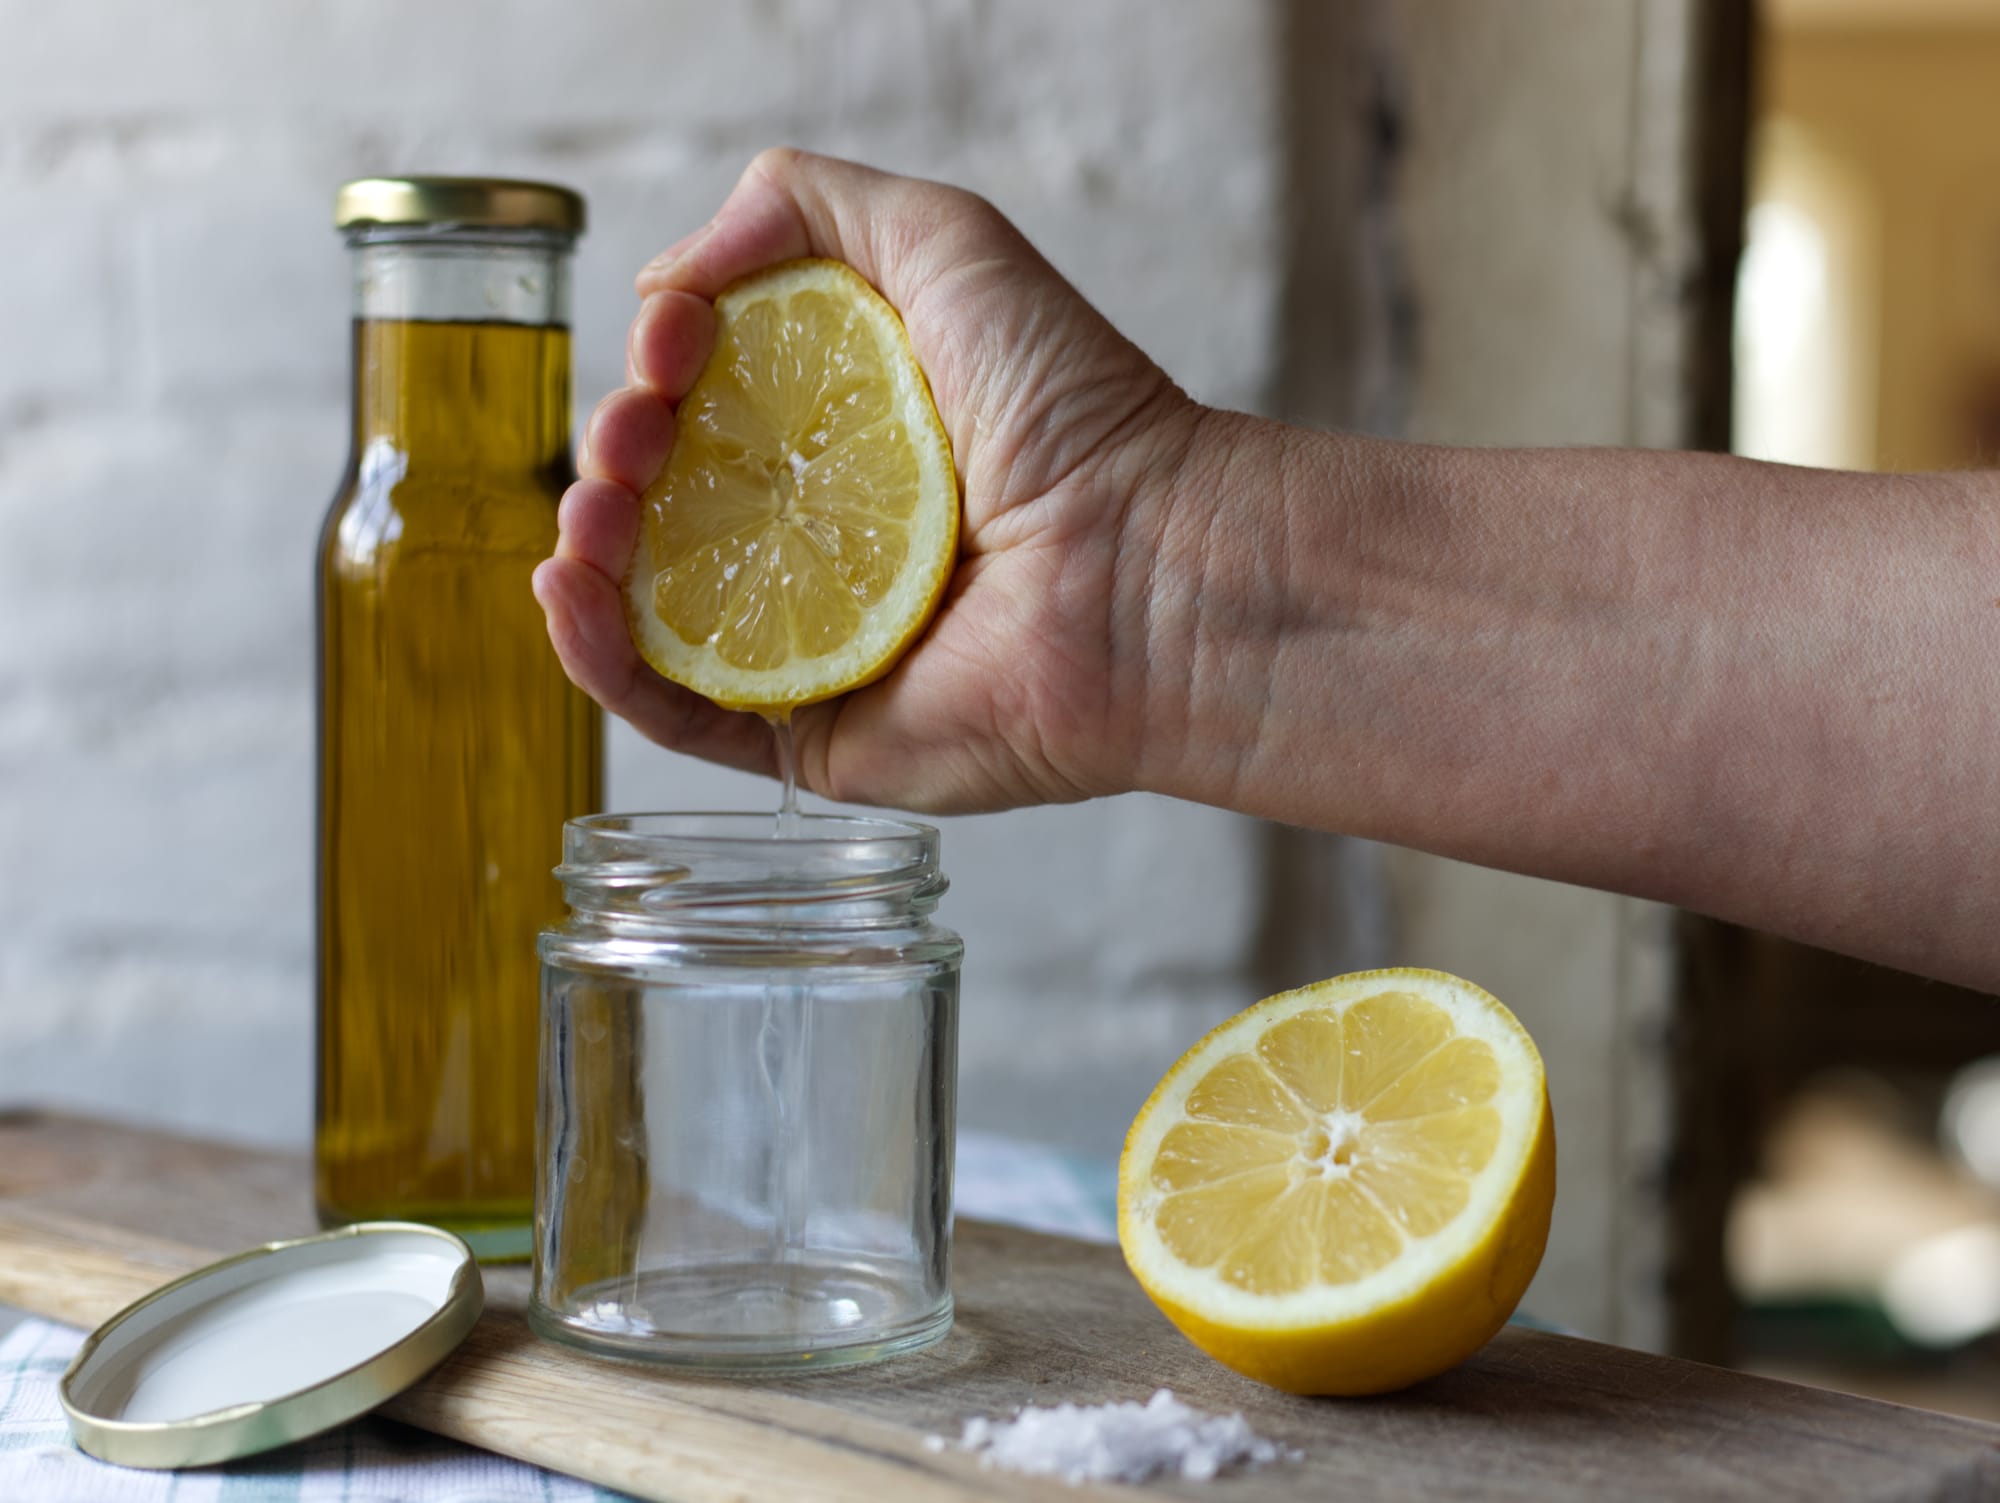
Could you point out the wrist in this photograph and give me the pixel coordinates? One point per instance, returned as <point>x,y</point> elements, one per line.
<point>1242,557</point>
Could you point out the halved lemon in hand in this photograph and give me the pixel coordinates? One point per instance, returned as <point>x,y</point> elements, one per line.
<point>806,522</point>
<point>1346,1188</point>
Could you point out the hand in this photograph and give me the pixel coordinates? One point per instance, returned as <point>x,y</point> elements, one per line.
<point>1766,693</point>
<point>1025,687</point>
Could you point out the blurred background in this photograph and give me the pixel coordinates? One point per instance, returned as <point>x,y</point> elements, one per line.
<point>1676,223</point>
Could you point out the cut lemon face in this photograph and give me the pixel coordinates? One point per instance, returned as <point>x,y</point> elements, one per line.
<point>806,522</point>
<point>1346,1188</point>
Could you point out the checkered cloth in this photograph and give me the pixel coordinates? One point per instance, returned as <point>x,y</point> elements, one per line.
<point>374,1461</point>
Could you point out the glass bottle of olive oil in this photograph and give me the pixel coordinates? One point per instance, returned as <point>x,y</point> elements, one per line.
<point>451,746</point>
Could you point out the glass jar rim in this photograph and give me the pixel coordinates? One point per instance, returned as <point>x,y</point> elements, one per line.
<point>733,829</point>
<point>668,861</point>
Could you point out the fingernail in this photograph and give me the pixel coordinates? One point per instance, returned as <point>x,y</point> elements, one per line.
<point>537,587</point>
<point>583,435</point>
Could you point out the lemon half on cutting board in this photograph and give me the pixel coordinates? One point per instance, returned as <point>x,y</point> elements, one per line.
<point>806,523</point>
<point>1347,1188</point>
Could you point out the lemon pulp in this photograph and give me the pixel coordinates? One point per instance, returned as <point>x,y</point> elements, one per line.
<point>1345,1188</point>
<point>806,521</point>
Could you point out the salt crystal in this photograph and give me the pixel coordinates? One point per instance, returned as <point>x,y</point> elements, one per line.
<point>1119,1442</point>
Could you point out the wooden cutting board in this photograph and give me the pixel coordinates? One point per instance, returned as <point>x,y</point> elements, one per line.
<point>93,1215</point>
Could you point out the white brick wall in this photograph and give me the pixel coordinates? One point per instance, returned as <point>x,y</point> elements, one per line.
<point>173,353</point>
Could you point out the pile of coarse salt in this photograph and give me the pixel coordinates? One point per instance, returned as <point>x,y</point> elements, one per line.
<point>1118,1442</point>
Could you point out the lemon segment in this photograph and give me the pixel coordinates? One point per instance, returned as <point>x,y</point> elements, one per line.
<point>805,524</point>
<point>1347,1188</point>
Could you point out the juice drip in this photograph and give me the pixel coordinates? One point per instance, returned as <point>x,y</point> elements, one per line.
<point>784,1040</point>
<point>788,775</point>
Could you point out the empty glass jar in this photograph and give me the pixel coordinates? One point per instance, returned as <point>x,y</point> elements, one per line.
<point>749,1058</point>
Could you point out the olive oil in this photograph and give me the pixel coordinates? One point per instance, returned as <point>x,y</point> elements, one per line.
<point>452,748</point>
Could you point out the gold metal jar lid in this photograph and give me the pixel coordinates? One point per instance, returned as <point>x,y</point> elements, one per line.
<point>271,1346</point>
<point>498,202</point>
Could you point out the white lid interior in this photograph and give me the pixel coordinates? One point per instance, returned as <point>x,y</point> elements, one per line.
<point>260,1328</point>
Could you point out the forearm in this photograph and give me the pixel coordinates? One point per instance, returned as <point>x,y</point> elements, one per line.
<point>1765,693</point>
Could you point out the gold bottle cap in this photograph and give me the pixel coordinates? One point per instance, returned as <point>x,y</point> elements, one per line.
<point>498,202</point>
<point>271,1346</point>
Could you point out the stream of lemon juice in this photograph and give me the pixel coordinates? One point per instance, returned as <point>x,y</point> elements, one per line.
<point>784,1048</point>
<point>780,722</point>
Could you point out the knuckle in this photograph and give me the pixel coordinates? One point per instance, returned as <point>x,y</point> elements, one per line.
<point>978,209</point>
<point>976,222</point>
<point>776,163</point>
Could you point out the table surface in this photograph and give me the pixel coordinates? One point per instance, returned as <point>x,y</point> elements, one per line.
<point>91,1215</point>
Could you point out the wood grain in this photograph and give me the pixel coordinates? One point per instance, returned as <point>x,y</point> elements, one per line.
<point>92,1215</point>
